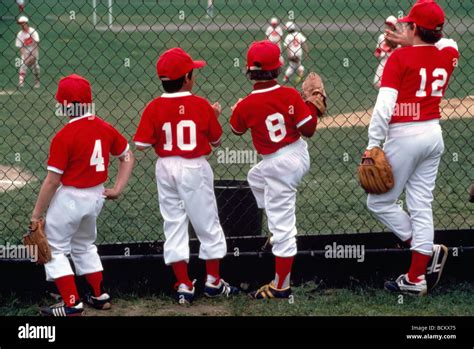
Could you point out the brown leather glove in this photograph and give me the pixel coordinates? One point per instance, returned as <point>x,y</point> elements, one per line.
<point>313,91</point>
<point>375,172</point>
<point>36,240</point>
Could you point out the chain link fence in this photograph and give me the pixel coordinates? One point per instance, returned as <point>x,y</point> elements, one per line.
<point>115,44</point>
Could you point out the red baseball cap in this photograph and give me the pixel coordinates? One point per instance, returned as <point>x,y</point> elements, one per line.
<point>263,55</point>
<point>426,14</point>
<point>176,63</point>
<point>74,88</point>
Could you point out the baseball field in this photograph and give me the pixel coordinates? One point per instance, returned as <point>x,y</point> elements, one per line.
<point>120,64</point>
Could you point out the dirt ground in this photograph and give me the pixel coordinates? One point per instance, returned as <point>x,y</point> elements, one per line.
<point>450,109</point>
<point>13,177</point>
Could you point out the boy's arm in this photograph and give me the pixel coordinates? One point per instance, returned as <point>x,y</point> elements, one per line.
<point>124,171</point>
<point>47,191</point>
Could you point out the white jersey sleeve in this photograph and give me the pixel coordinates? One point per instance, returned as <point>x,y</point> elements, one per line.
<point>268,31</point>
<point>288,40</point>
<point>381,116</point>
<point>444,42</point>
<point>34,35</point>
<point>18,41</point>
<point>301,38</point>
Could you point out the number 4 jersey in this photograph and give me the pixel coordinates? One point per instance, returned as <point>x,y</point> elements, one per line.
<point>420,75</point>
<point>179,124</point>
<point>80,151</point>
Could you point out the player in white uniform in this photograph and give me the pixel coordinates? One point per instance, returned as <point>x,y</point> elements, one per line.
<point>406,119</point>
<point>27,40</point>
<point>383,50</point>
<point>21,5</point>
<point>295,44</point>
<point>274,33</point>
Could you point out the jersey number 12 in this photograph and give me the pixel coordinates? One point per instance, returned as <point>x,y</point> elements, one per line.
<point>441,76</point>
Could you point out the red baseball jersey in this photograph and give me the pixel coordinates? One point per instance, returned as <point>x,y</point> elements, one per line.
<point>179,124</point>
<point>80,151</point>
<point>273,115</point>
<point>420,74</point>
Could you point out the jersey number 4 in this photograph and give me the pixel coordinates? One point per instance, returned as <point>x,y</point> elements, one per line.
<point>180,127</point>
<point>97,159</point>
<point>440,75</point>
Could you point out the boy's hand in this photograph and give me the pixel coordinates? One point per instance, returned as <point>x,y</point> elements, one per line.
<point>217,109</point>
<point>111,194</point>
<point>235,105</point>
<point>397,38</point>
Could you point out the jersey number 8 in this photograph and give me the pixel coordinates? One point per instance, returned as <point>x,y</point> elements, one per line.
<point>276,131</point>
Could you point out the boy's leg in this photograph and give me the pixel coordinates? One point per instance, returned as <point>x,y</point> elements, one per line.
<point>175,226</point>
<point>62,221</point>
<point>282,176</point>
<point>257,184</point>
<point>419,194</point>
<point>22,74</point>
<point>385,206</point>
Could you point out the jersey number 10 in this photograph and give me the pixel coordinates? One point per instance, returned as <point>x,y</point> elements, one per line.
<point>182,145</point>
<point>440,75</point>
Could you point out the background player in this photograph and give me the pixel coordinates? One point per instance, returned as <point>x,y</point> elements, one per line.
<point>415,76</point>
<point>27,40</point>
<point>277,117</point>
<point>384,49</point>
<point>180,126</point>
<point>295,44</point>
<point>274,33</point>
<point>74,191</point>
<point>21,5</point>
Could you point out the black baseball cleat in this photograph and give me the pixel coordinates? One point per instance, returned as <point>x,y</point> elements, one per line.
<point>436,265</point>
<point>269,291</point>
<point>185,295</point>
<point>61,310</point>
<point>221,289</point>
<point>100,303</point>
<point>403,285</point>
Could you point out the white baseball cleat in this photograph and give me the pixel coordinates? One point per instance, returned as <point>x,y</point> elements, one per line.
<point>436,265</point>
<point>403,285</point>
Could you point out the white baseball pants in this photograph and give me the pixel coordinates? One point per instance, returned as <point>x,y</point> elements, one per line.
<point>186,193</point>
<point>274,182</point>
<point>414,151</point>
<point>294,67</point>
<point>71,230</point>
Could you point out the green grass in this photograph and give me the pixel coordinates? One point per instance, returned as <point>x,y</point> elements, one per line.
<point>308,300</point>
<point>329,201</point>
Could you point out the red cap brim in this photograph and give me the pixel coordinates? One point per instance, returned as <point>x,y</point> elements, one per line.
<point>199,64</point>
<point>406,19</point>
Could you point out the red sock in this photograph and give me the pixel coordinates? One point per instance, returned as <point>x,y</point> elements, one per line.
<point>212,268</point>
<point>95,281</point>
<point>181,272</point>
<point>282,271</point>
<point>419,262</point>
<point>67,288</point>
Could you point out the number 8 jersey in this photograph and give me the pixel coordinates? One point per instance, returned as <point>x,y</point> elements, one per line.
<point>179,124</point>
<point>420,75</point>
<point>273,114</point>
<point>80,151</point>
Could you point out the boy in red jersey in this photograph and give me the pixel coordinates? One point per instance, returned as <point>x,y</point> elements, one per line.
<point>406,119</point>
<point>73,189</point>
<point>180,126</point>
<point>277,116</point>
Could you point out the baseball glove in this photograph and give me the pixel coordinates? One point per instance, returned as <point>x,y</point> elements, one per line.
<point>375,172</point>
<point>30,60</point>
<point>37,237</point>
<point>313,91</point>
<point>294,59</point>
